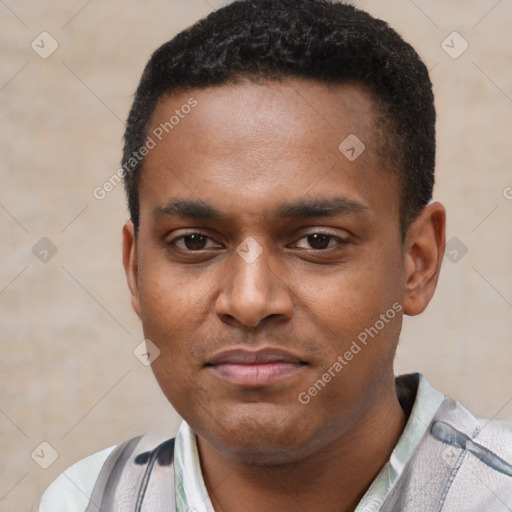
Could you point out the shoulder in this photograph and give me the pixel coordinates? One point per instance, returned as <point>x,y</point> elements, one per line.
<point>479,452</point>
<point>496,436</point>
<point>462,462</point>
<point>72,489</point>
<point>493,434</point>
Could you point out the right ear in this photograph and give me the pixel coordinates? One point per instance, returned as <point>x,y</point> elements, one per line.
<point>130,263</point>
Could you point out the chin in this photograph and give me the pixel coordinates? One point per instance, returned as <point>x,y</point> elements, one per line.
<point>257,434</point>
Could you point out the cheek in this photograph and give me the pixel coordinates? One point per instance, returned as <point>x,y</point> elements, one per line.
<point>358,310</point>
<point>167,312</point>
<point>168,295</point>
<point>355,293</point>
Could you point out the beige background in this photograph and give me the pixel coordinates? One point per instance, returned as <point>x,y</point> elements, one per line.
<point>69,376</point>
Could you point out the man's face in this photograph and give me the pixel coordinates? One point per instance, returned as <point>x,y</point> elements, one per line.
<point>264,251</point>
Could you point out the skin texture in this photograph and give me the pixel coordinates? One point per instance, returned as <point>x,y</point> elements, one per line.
<point>246,149</point>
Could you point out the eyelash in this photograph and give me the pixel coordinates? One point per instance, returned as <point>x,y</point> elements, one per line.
<point>340,241</point>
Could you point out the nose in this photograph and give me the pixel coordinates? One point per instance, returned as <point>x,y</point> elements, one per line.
<point>251,291</point>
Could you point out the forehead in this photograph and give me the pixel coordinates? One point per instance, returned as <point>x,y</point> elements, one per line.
<point>247,147</point>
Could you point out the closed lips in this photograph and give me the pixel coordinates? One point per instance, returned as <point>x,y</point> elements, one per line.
<point>244,368</point>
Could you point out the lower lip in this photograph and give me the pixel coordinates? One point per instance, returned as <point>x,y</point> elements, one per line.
<point>255,374</point>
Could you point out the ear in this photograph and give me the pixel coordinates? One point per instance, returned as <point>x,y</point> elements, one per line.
<point>423,254</point>
<point>130,263</point>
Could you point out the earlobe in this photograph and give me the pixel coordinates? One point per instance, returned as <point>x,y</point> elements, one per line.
<point>130,264</point>
<point>424,249</point>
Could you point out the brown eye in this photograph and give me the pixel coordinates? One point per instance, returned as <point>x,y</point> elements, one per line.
<point>319,240</point>
<point>194,242</point>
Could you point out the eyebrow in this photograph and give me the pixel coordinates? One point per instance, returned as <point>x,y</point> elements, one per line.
<point>188,208</point>
<point>324,207</point>
<point>302,209</point>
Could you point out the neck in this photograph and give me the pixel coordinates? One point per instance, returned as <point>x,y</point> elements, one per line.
<point>333,479</point>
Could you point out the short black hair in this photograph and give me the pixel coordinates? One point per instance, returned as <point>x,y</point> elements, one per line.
<point>320,40</point>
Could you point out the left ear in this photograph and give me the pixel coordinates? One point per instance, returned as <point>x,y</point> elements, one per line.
<point>423,254</point>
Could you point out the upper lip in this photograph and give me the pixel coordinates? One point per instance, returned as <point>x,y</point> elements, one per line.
<point>246,356</point>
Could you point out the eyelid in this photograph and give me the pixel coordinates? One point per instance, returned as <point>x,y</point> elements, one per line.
<point>324,231</point>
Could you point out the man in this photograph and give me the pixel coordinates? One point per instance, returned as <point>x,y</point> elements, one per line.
<point>279,165</point>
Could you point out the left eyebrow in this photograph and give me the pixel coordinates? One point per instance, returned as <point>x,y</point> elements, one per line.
<point>320,208</point>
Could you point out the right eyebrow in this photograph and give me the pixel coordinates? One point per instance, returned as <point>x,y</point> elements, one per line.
<point>188,208</point>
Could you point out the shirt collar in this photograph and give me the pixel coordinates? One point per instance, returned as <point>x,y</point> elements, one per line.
<point>426,404</point>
